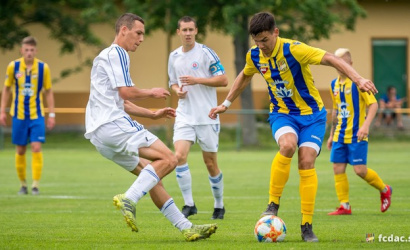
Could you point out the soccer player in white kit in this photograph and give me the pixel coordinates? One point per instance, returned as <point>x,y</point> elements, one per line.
<point>119,138</point>
<point>194,73</point>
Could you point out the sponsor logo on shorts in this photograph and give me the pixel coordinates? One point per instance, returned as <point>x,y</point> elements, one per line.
<point>315,137</point>
<point>357,160</point>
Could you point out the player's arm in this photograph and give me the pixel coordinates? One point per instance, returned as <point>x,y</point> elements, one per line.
<point>240,83</point>
<point>338,63</point>
<point>135,110</point>
<point>133,93</point>
<point>215,81</point>
<point>364,129</point>
<point>5,94</point>
<point>49,95</point>
<point>332,129</point>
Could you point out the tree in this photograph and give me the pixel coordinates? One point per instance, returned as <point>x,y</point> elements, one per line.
<point>303,20</point>
<point>69,22</point>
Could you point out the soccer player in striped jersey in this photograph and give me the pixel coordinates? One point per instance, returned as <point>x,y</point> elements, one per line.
<point>297,116</point>
<point>125,141</point>
<point>27,78</point>
<point>195,72</point>
<point>348,138</point>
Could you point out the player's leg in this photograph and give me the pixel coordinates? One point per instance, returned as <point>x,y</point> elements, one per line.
<point>37,137</point>
<point>166,204</point>
<point>399,120</point>
<point>285,134</point>
<point>339,156</point>
<point>208,139</point>
<point>359,151</point>
<point>19,137</point>
<point>310,141</point>
<point>184,137</point>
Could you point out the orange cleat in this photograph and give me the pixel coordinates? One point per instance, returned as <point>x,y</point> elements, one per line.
<point>385,199</point>
<point>341,211</point>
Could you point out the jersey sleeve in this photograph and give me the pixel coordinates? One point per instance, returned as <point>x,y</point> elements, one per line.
<point>172,75</point>
<point>249,68</point>
<point>306,54</point>
<point>215,66</point>
<point>47,77</point>
<point>368,98</point>
<point>9,75</point>
<point>118,68</point>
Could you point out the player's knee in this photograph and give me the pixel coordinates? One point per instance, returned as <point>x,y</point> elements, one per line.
<point>182,158</point>
<point>287,148</point>
<point>360,172</point>
<point>172,162</point>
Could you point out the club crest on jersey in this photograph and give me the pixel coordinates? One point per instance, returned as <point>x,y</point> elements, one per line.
<point>195,65</point>
<point>348,90</point>
<point>263,67</point>
<point>282,65</point>
<point>19,74</point>
<point>336,91</point>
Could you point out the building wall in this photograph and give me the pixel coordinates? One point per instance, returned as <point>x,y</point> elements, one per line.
<point>385,19</point>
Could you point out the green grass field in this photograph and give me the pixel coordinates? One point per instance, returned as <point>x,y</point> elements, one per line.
<point>75,211</point>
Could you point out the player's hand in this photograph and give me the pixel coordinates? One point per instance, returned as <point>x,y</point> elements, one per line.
<point>181,93</point>
<point>160,93</point>
<point>329,142</point>
<point>363,133</point>
<point>188,80</point>
<point>367,85</point>
<point>3,119</point>
<point>164,113</point>
<point>213,114</point>
<point>51,122</point>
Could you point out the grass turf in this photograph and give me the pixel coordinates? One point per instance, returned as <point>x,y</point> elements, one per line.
<point>75,211</point>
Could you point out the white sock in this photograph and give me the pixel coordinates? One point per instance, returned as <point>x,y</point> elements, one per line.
<point>185,183</point>
<point>217,186</point>
<point>172,213</point>
<point>346,205</point>
<point>147,179</point>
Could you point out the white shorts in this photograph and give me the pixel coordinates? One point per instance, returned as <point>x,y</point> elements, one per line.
<point>120,140</point>
<point>207,136</point>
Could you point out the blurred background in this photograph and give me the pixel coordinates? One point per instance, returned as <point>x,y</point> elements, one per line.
<point>71,33</point>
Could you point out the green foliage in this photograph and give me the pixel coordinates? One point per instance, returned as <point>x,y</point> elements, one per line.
<point>69,21</point>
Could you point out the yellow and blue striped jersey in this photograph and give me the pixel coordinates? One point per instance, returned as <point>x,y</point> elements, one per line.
<point>288,76</point>
<point>26,87</point>
<point>351,105</point>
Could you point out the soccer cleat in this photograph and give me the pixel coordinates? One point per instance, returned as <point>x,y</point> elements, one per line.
<point>307,233</point>
<point>272,209</point>
<point>218,213</point>
<point>35,191</point>
<point>386,199</point>
<point>127,208</point>
<point>188,210</point>
<point>199,232</point>
<point>23,190</point>
<point>341,211</point>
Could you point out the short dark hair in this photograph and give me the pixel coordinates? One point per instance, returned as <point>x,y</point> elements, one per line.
<point>260,22</point>
<point>29,40</point>
<point>128,20</point>
<point>186,19</point>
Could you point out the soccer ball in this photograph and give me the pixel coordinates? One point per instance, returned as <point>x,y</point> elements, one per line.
<point>270,228</point>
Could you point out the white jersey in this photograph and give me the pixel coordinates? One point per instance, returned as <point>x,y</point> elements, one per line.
<point>110,70</point>
<point>203,62</point>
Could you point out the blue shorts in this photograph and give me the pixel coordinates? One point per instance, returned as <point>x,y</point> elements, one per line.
<point>354,153</point>
<point>26,131</point>
<point>309,129</point>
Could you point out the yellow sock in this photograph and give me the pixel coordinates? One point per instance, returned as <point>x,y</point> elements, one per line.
<point>307,190</point>
<point>373,179</point>
<point>36,165</point>
<point>21,166</point>
<point>279,175</point>
<point>342,187</point>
